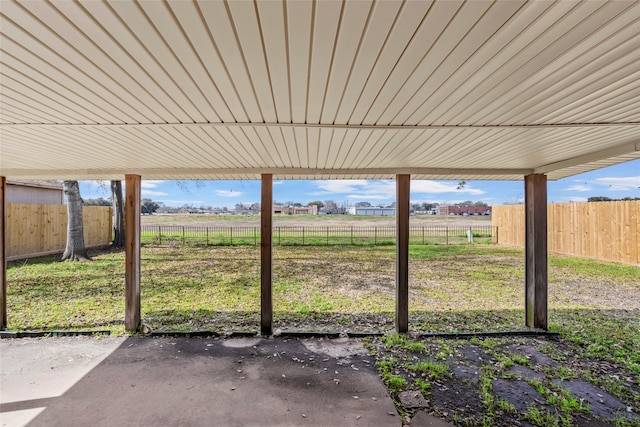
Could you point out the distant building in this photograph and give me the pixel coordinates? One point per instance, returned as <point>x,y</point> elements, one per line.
<point>35,192</point>
<point>375,211</point>
<point>463,210</point>
<point>294,210</point>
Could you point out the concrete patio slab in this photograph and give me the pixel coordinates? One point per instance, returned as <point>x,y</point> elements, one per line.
<point>79,381</point>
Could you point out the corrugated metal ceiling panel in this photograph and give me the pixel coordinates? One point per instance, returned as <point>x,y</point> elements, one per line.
<point>162,88</point>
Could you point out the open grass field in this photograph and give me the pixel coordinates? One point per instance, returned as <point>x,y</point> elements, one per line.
<point>314,230</point>
<point>452,288</point>
<point>305,220</point>
<point>456,288</point>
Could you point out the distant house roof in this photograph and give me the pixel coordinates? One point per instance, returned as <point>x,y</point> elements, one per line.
<point>42,183</point>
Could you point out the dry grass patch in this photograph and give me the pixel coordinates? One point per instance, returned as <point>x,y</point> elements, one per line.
<point>475,287</point>
<point>594,305</point>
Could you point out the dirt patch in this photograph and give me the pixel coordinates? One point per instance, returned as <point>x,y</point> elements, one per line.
<point>518,393</point>
<point>601,403</point>
<point>535,357</point>
<point>506,382</point>
<point>454,397</point>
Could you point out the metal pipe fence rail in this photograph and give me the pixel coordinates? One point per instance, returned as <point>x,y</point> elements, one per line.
<point>196,235</point>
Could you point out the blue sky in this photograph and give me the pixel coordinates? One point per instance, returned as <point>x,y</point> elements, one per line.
<point>615,182</point>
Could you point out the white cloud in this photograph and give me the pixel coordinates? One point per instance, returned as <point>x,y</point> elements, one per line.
<point>368,196</point>
<point>277,182</point>
<point>620,184</point>
<point>386,190</point>
<point>228,193</point>
<point>145,192</point>
<point>180,202</point>
<point>151,183</point>
<point>339,186</point>
<point>581,188</point>
<point>439,187</point>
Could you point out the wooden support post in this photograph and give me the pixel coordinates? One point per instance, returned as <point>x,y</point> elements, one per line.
<point>266,255</point>
<point>536,279</point>
<point>402,252</point>
<point>132,253</point>
<point>3,253</point>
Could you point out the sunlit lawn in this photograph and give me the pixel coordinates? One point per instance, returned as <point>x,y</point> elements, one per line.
<point>332,288</point>
<point>595,306</point>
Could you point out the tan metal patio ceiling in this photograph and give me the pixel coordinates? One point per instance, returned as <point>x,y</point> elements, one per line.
<point>324,89</point>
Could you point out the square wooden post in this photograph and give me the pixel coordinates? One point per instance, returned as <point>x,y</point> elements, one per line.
<point>402,252</point>
<point>132,252</point>
<point>3,253</point>
<point>266,255</point>
<point>536,277</point>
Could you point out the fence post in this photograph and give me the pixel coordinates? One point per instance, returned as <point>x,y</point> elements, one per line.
<point>375,235</point>
<point>327,235</point>
<point>159,234</point>
<point>303,235</point>
<point>279,244</point>
<point>423,234</point>
<point>231,235</point>
<point>207,236</point>
<point>255,237</point>
<point>446,232</point>
<point>183,234</point>
<point>352,234</point>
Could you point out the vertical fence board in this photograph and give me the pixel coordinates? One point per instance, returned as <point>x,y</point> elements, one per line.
<point>607,231</point>
<point>38,229</point>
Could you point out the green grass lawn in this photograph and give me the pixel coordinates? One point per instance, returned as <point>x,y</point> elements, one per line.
<point>595,306</point>
<point>332,288</point>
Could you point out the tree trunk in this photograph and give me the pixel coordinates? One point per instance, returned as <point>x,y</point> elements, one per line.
<point>75,250</point>
<point>118,214</point>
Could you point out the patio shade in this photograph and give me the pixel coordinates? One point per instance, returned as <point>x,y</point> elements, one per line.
<point>324,89</point>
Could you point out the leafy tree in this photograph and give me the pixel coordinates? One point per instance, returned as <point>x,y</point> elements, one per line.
<point>75,249</point>
<point>608,199</point>
<point>100,201</point>
<point>255,208</point>
<point>363,205</point>
<point>148,206</point>
<point>317,203</point>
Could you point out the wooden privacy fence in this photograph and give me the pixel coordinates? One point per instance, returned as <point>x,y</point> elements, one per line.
<point>607,231</point>
<point>34,230</point>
